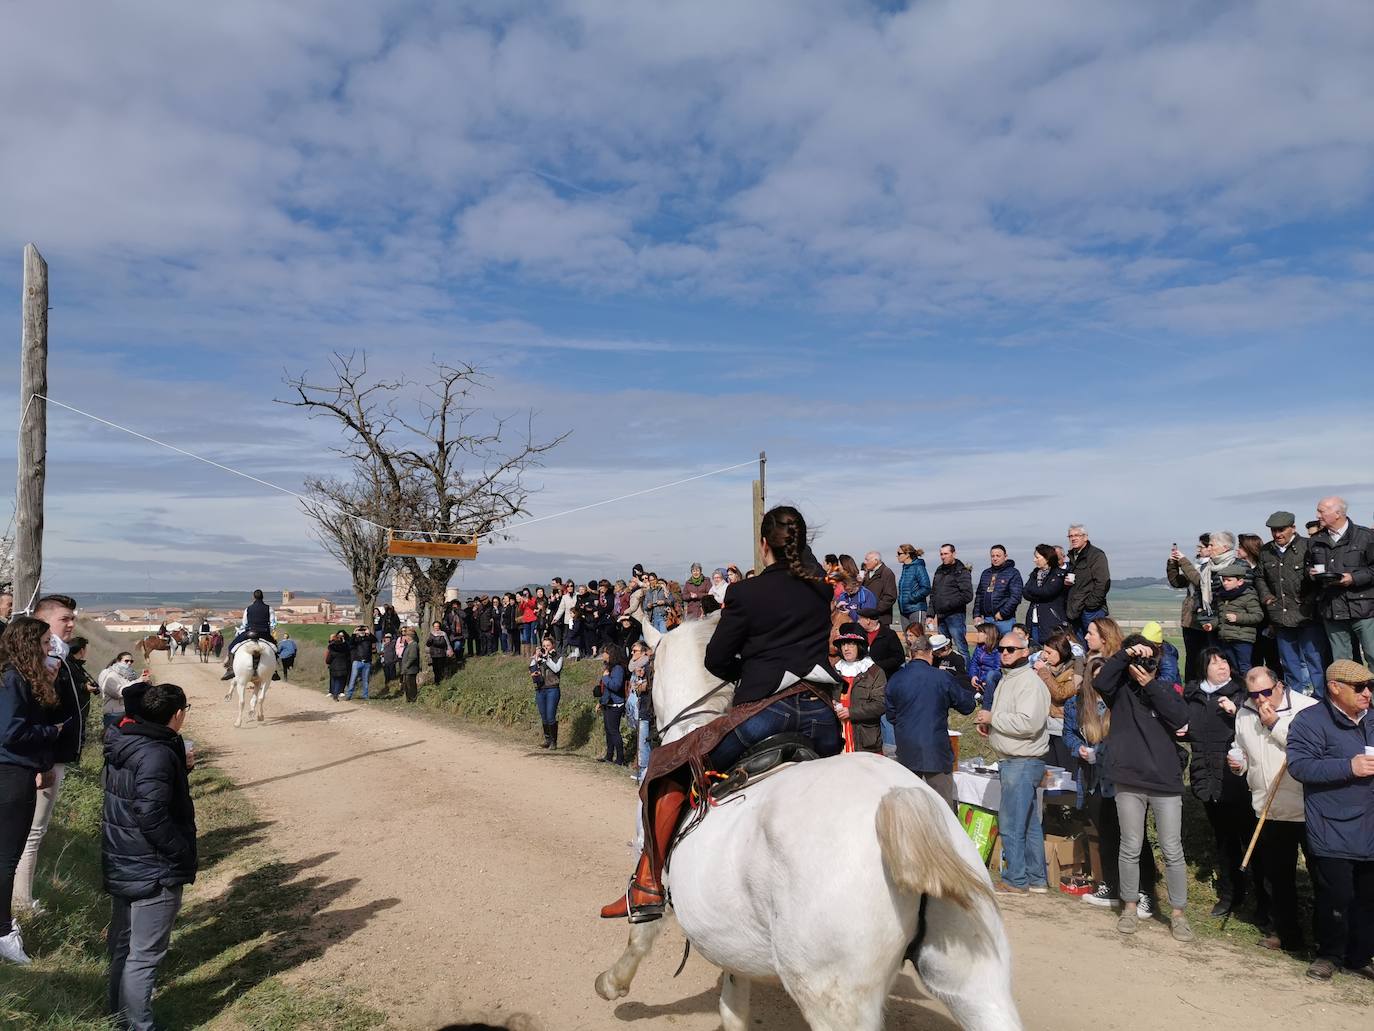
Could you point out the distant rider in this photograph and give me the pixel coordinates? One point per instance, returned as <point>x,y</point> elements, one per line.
<point>258,620</point>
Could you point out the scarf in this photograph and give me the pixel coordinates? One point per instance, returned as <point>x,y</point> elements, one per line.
<point>1223,560</point>
<point>1232,595</point>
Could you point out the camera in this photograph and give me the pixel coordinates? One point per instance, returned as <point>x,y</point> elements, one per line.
<point>1150,665</point>
<point>537,671</point>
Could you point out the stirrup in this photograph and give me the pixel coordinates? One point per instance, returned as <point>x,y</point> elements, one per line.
<point>636,913</point>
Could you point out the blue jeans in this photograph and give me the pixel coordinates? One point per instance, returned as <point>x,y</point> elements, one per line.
<point>660,620</point>
<point>615,744</point>
<point>1239,654</point>
<point>546,701</point>
<point>1345,634</point>
<point>800,714</point>
<point>505,640</point>
<point>954,626</point>
<point>337,683</point>
<point>1003,625</point>
<point>363,668</point>
<point>1300,653</point>
<point>1018,821</point>
<point>1086,618</point>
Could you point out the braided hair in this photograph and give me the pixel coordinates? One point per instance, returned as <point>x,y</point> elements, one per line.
<point>784,530</point>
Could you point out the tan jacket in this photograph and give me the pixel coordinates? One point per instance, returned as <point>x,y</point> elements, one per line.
<point>1019,727</point>
<point>1264,749</point>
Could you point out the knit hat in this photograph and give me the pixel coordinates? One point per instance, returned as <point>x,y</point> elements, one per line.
<point>1279,520</point>
<point>1152,631</point>
<point>1348,671</point>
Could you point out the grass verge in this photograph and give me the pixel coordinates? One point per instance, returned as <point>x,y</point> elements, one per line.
<point>245,923</point>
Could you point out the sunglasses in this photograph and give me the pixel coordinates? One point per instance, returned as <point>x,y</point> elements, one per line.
<point>1010,647</point>
<point>1366,687</point>
<point>1261,694</point>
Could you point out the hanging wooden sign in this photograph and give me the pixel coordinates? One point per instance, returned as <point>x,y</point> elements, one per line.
<point>429,549</point>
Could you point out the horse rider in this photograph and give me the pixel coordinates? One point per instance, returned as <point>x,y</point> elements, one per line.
<point>204,630</point>
<point>164,633</point>
<point>258,621</point>
<point>773,638</point>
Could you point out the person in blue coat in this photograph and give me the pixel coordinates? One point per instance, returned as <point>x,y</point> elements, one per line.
<point>914,586</point>
<point>999,591</point>
<point>611,695</point>
<point>1331,754</point>
<point>919,697</point>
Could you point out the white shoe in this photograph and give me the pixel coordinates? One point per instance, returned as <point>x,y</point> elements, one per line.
<point>1101,897</point>
<point>12,949</point>
<point>1144,908</point>
<point>32,909</point>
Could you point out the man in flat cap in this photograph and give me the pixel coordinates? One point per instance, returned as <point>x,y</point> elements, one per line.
<point>1331,754</point>
<point>1289,598</point>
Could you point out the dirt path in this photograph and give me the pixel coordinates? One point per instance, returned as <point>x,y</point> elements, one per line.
<point>460,875</point>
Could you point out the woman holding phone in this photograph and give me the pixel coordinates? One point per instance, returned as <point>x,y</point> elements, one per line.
<point>27,748</point>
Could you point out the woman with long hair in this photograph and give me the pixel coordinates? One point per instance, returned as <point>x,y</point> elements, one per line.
<point>1047,593</point>
<point>776,626</point>
<point>28,744</point>
<point>610,695</point>
<point>914,586</point>
<point>1061,673</point>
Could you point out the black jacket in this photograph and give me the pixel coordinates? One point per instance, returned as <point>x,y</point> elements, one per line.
<point>1211,732</point>
<point>1353,554</point>
<point>71,712</point>
<point>951,589</point>
<point>886,651</point>
<point>1092,579</point>
<point>1287,593</point>
<point>361,647</point>
<point>1141,752</point>
<point>148,834</point>
<point>771,624</point>
<point>1049,600</point>
<point>338,656</point>
<point>27,738</point>
<point>391,622</point>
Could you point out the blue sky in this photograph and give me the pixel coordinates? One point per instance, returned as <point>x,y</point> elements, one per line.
<point>967,270</point>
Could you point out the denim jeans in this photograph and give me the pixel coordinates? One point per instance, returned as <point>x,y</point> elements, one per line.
<point>546,701</point>
<point>660,620</point>
<point>139,933</point>
<point>954,626</point>
<point>337,684</point>
<point>1018,821</point>
<point>1168,810</point>
<point>1086,618</point>
<point>615,745</point>
<point>361,671</point>
<point>1239,654</point>
<point>800,714</point>
<point>1003,625</point>
<point>1345,634</point>
<point>1301,654</point>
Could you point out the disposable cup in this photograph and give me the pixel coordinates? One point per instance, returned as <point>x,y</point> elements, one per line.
<point>1369,749</point>
<point>1319,567</point>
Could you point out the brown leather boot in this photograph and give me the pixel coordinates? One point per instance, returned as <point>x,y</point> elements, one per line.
<point>644,901</point>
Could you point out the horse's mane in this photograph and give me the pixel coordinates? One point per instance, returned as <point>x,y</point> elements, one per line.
<point>680,675</point>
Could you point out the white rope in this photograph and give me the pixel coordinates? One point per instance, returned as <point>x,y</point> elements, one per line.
<point>325,504</point>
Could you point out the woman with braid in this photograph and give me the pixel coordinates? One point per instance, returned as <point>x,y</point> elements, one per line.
<point>773,627</point>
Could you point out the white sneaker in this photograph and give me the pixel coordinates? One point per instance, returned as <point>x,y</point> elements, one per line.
<point>1144,908</point>
<point>12,949</point>
<point>1101,897</point>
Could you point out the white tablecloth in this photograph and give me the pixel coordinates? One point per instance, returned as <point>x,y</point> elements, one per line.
<point>985,789</point>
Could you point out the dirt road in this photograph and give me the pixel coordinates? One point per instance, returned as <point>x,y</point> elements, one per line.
<point>465,872</point>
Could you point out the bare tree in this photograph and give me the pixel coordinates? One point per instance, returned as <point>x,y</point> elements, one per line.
<point>347,519</point>
<point>448,470</point>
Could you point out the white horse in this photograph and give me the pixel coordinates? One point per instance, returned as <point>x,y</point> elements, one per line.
<point>814,878</point>
<point>254,664</point>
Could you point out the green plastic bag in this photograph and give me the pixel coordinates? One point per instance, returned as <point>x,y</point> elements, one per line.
<point>981,826</point>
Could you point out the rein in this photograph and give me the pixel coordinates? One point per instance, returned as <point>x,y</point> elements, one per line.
<point>690,710</point>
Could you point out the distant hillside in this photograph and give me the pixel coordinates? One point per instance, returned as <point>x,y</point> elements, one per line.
<point>1139,581</point>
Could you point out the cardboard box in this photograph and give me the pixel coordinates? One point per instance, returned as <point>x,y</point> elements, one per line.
<point>1065,857</point>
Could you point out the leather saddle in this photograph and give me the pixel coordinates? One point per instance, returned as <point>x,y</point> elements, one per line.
<point>762,758</point>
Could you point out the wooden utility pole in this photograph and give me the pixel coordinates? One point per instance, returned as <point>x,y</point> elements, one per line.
<point>33,431</point>
<point>760,505</point>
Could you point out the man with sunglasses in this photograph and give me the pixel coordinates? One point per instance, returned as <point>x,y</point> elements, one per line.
<point>1017,729</point>
<point>1331,753</point>
<point>1262,724</point>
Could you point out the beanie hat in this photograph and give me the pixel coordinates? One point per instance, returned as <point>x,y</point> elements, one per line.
<point>1152,631</point>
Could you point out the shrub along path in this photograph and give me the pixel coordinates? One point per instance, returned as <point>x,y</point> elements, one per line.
<point>467,871</point>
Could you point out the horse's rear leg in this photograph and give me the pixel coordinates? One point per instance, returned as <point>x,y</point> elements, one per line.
<point>615,983</point>
<point>262,703</point>
<point>734,1003</point>
<point>239,722</point>
<point>829,1006</point>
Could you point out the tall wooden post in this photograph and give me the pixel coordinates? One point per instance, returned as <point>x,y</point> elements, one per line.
<point>760,503</point>
<point>33,431</point>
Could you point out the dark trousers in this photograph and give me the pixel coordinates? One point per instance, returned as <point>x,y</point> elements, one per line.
<point>1102,813</point>
<point>409,686</point>
<point>1233,823</point>
<point>1195,642</point>
<point>1275,865</point>
<point>1345,909</point>
<point>139,933</point>
<point>18,796</point>
<point>1241,656</point>
<point>439,664</point>
<point>338,683</point>
<point>615,744</point>
<point>286,665</point>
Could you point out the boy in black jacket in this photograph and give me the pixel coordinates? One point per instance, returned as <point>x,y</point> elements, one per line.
<point>148,846</point>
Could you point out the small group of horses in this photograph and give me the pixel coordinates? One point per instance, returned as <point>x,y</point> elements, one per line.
<point>826,878</point>
<point>254,663</point>
<point>176,642</point>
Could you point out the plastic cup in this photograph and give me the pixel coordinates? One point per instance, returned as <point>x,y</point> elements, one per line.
<point>1319,568</point>
<point>1235,755</point>
<point>1369,749</point>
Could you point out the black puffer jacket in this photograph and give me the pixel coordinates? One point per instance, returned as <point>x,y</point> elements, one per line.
<point>1049,598</point>
<point>70,712</point>
<point>338,656</point>
<point>1141,747</point>
<point>1211,732</point>
<point>1353,554</point>
<point>951,589</point>
<point>148,834</point>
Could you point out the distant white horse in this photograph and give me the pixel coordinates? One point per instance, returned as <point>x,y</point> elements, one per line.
<point>814,878</point>
<point>254,664</point>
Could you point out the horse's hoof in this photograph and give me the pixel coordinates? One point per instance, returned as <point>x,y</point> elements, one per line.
<point>608,989</point>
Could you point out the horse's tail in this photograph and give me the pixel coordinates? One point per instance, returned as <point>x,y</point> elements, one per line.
<point>257,654</point>
<point>917,852</point>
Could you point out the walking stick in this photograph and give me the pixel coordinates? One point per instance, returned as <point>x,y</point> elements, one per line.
<point>1264,814</point>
